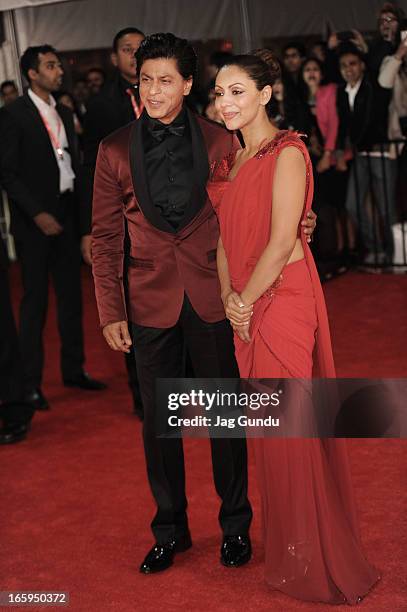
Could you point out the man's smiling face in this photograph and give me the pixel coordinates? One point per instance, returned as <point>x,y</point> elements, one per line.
<point>163,88</point>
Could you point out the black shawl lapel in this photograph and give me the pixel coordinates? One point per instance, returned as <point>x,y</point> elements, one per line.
<point>200,170</point>
<point>139,178</point>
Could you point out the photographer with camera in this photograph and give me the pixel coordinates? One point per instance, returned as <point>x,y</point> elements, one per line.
<point>385,42</point>
<point>393,75</point>
<point>388,39</point>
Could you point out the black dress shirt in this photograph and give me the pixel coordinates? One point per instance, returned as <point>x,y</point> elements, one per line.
<point>169,165</point>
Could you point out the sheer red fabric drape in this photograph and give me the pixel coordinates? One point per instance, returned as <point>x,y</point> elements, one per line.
<point>312,544</point>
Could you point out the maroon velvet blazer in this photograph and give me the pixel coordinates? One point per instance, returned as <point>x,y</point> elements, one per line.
<point>163,263</point>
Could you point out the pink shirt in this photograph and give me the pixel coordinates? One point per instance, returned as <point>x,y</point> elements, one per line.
<point>327,117</point>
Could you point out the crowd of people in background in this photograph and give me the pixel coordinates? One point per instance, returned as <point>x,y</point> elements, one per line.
<point>348,97</point>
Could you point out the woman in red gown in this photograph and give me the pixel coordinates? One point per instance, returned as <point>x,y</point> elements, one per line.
<point>274,301</point>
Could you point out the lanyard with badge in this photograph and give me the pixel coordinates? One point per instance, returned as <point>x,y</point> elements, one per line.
<point>136,108</point>
<point>56,143</point>
<point>54,138</point>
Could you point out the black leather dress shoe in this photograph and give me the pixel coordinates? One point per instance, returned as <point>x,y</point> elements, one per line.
<point>84,381</point>
<point>37,400</point>
<point>14,433</point>
<point>235,551</point>
<point>161,556</point>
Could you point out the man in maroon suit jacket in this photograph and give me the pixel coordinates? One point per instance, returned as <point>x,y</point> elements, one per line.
<point>153,173</point>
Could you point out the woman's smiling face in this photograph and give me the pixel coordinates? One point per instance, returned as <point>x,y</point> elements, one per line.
<point>237,98</point>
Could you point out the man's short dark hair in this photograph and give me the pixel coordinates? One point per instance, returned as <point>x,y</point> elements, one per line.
<point>295,45</point>
<point>30,59</point>
<point>96,69</point>
<point>7,84</point>
<point>348,48</point>
<point>391,7</point>
<point>168,46</point>
<point>124,32</point>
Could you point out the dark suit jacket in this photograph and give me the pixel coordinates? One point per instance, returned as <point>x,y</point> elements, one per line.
<point>108,111</point>
<point>28,168</point>
<point>366,125</point>
<point>163,263</point>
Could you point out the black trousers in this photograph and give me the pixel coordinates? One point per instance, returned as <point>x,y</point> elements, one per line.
<point>13,410</point>
<point>133,381</point>
<point>58,256</point>
<point>160,354</point>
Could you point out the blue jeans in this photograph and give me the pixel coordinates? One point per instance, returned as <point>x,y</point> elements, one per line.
<point>379,175</point>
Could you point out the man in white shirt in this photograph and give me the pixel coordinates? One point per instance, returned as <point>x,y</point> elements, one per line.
<point>56,129</point>
<point>41,173</point>
<point>352,90</point>
<point>363,116</point>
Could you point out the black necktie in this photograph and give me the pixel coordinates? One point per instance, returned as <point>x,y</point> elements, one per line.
<point>159,131</point>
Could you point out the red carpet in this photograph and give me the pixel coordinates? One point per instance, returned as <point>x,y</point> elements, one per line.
<point>75,506</point>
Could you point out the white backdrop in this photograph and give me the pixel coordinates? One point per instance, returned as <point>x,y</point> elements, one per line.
<point>13,4</point>
<point>90,24</point>
<point>9,52</point>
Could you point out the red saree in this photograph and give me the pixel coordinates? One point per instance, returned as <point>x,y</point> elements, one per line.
<point>312,545</point>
